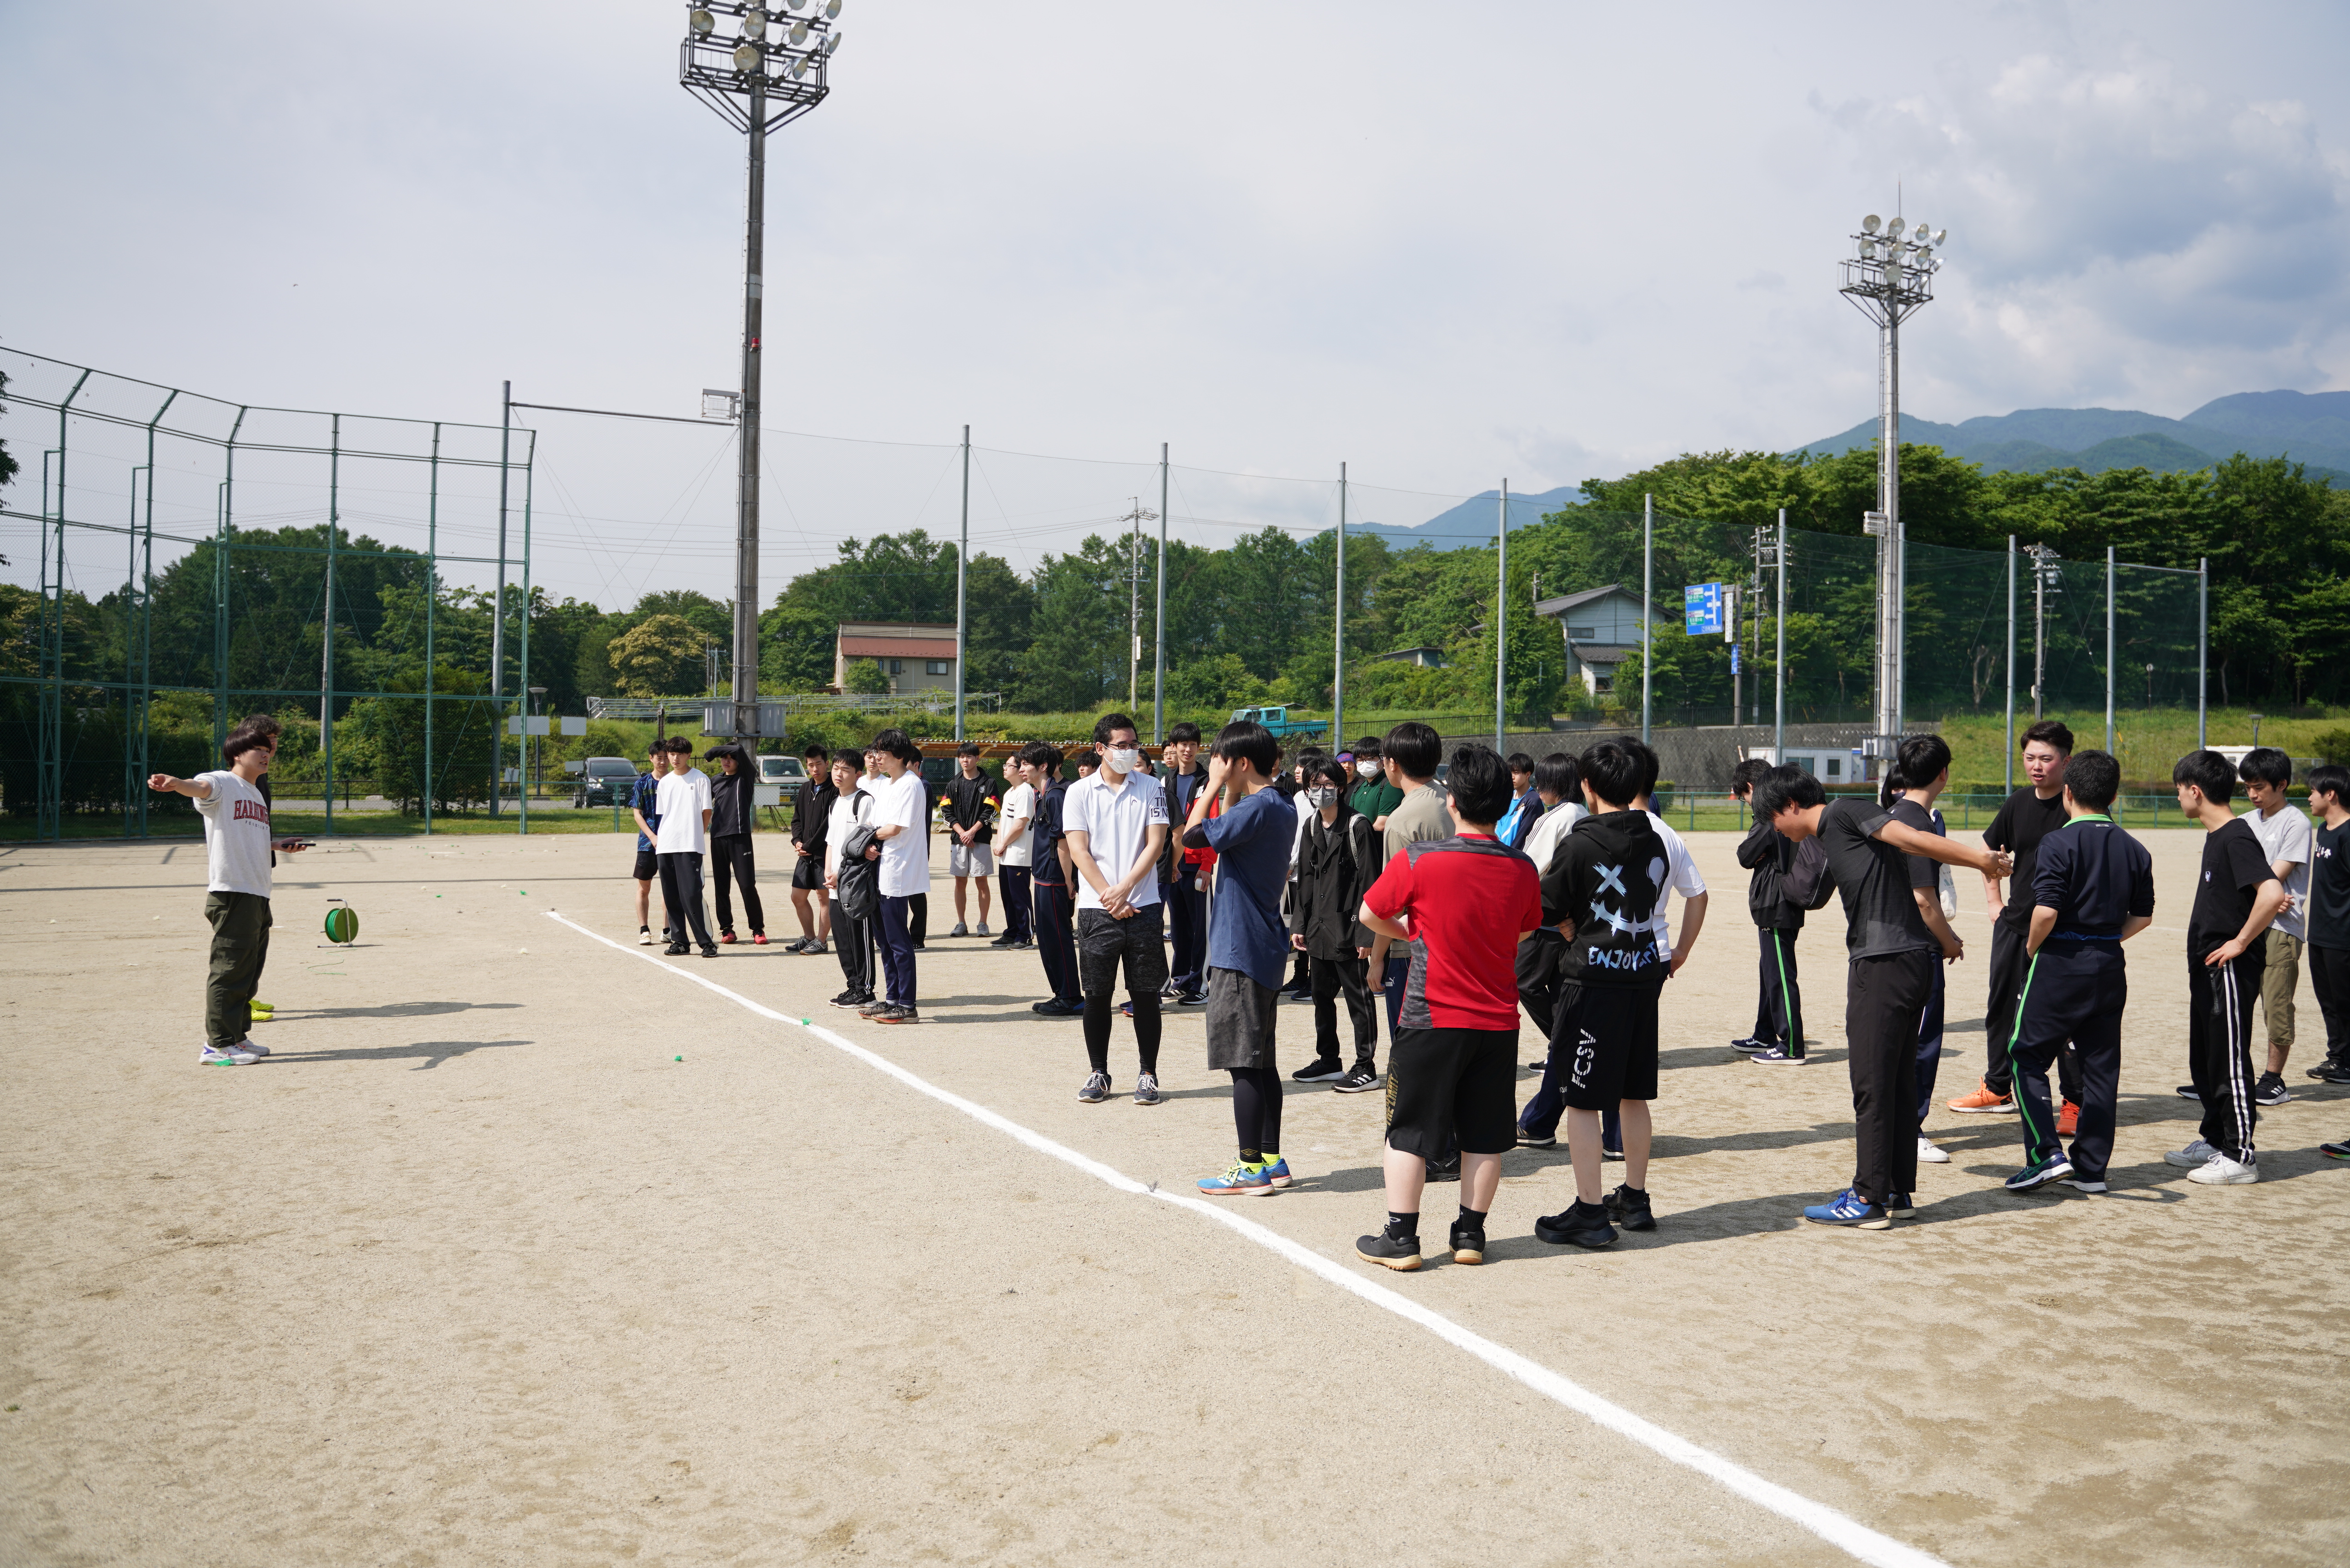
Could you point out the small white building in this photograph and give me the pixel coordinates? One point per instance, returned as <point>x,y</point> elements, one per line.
<point>1599,626</point>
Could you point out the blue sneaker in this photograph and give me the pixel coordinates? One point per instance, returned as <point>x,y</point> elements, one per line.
<point>1898,1205</point>
<point>1852,1210</point>
<point>1241,1179</point>
<point>2056,1168</point>
<point>1277,1173</point>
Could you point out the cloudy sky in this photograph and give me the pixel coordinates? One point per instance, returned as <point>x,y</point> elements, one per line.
<point>1445,245</point>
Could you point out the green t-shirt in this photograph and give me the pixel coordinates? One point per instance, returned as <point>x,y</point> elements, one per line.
<point>1375,799</point>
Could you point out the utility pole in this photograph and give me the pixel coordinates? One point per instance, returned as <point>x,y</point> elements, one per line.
<point>1502,624</point>
<point>1338,630</point>
<point>2043,559</point>
<point>1134,520</point>
<point>1158,618</point>
<point>962,566</point>
<point>498,606</point>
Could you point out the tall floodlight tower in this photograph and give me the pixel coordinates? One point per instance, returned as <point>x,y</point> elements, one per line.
<point>772,69</point>
<point>1888,275</point>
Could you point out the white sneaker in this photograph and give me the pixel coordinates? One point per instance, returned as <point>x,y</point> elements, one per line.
<point>1928,1154</point>
<point>644,936</point>
<point>247,1047</point>
<point>2222,1172</point>
<point>983,930</point>
<point>2198,1153</point>
<point>234,1056</point>
<point>958,931</point>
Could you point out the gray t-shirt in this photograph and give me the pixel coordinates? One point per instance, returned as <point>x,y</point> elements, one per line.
<point>236,836</point>
<point>1421,816</point>
<point>1880,917</point>
<point>2287,837</point>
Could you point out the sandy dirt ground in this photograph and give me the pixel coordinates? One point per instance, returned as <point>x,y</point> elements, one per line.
<point>476,1269</point>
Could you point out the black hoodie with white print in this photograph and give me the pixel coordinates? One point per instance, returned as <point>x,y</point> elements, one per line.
<point>1606,877</point>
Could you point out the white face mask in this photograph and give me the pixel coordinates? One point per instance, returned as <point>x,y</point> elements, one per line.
<point>1124,759</point>
<point>1322,796</point>
<point>1367,770</point>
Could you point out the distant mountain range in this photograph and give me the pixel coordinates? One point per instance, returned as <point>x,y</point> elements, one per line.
<point>1473,521</point>
<point>2312,428</point>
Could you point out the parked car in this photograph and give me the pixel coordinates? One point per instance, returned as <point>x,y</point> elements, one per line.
<point>1278,721</point>
<point>605,781</point>
<point>788,772</point>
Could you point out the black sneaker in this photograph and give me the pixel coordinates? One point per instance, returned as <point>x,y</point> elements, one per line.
<point>1096,1089</point>
<point>710,950</point>
<point>1006,940</point>
<point>1607,1153</point>
<point>2335,1150</point>
<point>1360,1077</point>
<point>848,999</point>
<point>2330,1073</point>
<point>676,949</point>
<point>1403,1256</point>
<point>1444,1170</point>
<point>897,1013</point>
<point>1628,1206</point>
<point>1054,1007</point>
<point>1199,999</point>
<point>2270,1090</point>
<point>1528,1140</point>
<point>1468,1244</point>
<point>1320,1070</point>
<point>1580,1224</point>
<point>2186,1092</point>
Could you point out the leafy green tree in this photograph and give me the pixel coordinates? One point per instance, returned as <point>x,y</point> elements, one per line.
<point>659,657</point>
<point>865,677</point>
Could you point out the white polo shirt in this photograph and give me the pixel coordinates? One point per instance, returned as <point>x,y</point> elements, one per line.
<point>1115,823</point>
<point>906,858</point>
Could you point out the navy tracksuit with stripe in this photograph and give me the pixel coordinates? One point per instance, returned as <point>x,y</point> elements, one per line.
<point>2096,878</point>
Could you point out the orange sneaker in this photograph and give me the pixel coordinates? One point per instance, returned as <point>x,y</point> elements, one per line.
<point>2068,1119</point>
<point>1983,1102</point>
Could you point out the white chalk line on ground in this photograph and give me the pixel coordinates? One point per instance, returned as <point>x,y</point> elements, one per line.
<point>1848,1535</point>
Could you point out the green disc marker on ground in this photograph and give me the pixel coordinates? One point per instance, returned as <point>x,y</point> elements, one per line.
<point>342,923</point>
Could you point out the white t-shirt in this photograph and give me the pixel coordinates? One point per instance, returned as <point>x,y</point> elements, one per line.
<point>848,811</point>
<point>1020,807</point>
<point>2287,837</point>
<point>1550,831</point>
<point>1117,823</point>
<point>682,800</point>
<point>906,858</point>
<point>236,836</point>
<point>1680,876</point>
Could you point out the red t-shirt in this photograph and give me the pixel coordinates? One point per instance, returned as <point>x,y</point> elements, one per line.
<point>1464,900</point>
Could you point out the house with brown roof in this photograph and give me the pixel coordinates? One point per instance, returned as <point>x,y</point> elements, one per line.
<point>916,656</point>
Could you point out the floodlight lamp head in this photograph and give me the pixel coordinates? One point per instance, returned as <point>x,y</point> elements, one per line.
<point>746,58</point>
<point>797,32</point>
<point>1940,235</point>
<point>1871,223</point>
<point>832,10</point>
<point>1895,228</point>
<point>701,21</point>
<point>831,45</point>
<point>795,5</point>
<point>755,25</point>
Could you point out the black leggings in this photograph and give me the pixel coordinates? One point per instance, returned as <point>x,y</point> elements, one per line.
<point>730,858</point>
<point>1256,1108</point>
<point>1099,1012</point>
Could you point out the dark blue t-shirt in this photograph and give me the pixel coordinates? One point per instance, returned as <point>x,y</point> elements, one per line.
<point>2095,876</point>
<point>1045,839</point>
<point>1245,930</point>
<point>646,796</point>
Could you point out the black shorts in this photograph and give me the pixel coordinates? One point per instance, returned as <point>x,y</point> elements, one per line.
<point>808,873</point>
<point>1445,1081</point>
<point>647,867</point>
<point>1605,1046</point>
<point>1139,941</point>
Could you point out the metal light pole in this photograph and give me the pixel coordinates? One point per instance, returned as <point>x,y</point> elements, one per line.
<point>962,564</point>
<point>2109,650</point>
<point>1648,595</point>
<point>2202,653</point>
<point>2011,664</point>
<point>755,85</point>
<point>1779,723</point>
<point>1887,279</point>
<point>1338,630</point>
<point>1158,618</point>
<point>1501,623</point>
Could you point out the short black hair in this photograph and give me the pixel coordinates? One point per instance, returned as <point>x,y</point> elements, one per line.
<point>1649,767</point>
<point>1520,763</point>
<point>678,746</point>
<point>1043,754</point>
<point>1612,769</point>
<point>2330,778</point>
<point>1329,770</point>
<point>1478,783</point>
<point>261,724</point>
<point>1245,740</point>
<point>817,752</point>
<point>1786,787</point>
<point>1085,757</point>
<point>1747,773</point>
<point>2054,731</point>
<point>2095,778</point>
<point>1185,731</point>
<point>968,749</point>
<point>2265,764</point>
<point>1918,762</point>
<point>1413,748</point>
<point>2209,772</point>
<point>246,737</point>
<point>1109,725</point>
<point>896,743</point>
<point>1557,774</point>
<point>1368,749</point>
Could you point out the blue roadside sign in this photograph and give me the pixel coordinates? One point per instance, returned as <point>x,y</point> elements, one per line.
<point>1702,610</point>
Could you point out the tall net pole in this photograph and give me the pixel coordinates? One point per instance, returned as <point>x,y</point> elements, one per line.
<point>498,607</point>
<point>1501,623</point>
<point>1338,630</point>
<point>963,565</point>
<point>1158,618</point>
<point>1648,610</point>
<point>2109,650</point>
<point>2202,653</point>
<point>1779,698</point>
<point>2011,664</point>
<point>745,685</point>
